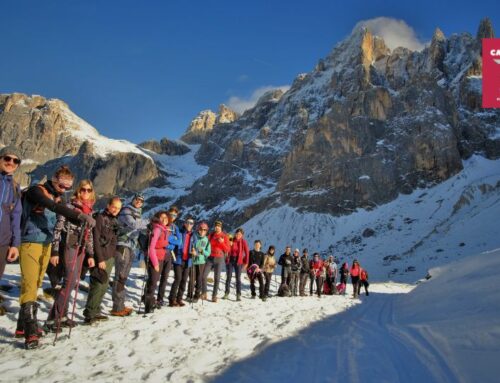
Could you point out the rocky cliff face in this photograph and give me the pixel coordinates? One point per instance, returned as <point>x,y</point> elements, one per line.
<point>166,146</point>
<point>49,134</point>
<point>366,124</point>
<point>203,124</point>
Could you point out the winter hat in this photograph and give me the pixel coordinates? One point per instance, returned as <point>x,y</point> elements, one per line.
<point>203,226</point>
<point>6,150</point>
<point>139,196</point>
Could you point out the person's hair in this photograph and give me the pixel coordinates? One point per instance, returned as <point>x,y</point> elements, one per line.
<point>271,248</point>
<point>239,230</point>
<point>159,213</point>
<point>113,199</point>
<point>258,241</point>
<point>173,209</point>
<point>81,185</point>
<point>316,255</point>
<point>64,171</point>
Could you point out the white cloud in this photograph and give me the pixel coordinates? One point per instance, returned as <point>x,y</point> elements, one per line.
<point>240,104</point>
<point>396,33</point>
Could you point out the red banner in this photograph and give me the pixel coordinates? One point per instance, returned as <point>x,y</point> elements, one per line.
<point>491,73</point>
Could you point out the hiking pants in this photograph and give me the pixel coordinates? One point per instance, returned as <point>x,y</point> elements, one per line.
<point>123,263</point>
<point>286,275</point>
<point>365,284</point>
<point>268,277</point>
<point>319,285</point>
<point>33,260</point>
<point>97,289</point>
<point>233,264</point>
<point>168,265</point>
<point>260,278</point>
<point>152,283</point>
<point>72,262</point>
<point>181,274</point>
<point>294,283</point>
<point>3,259</point>
<point>303,283</point>
<point>355,285</point>
<point>196,281</point>
<point>215,263</point>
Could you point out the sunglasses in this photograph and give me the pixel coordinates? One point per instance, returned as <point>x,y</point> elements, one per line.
<point>190,222</point>
<point>15,160</point>
<point>173,215</point>
<point>64,187</point>
<point>86,190</point>
<point>203,230</point>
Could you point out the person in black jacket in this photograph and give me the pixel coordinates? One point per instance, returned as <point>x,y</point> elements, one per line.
<point>256,257</point>
<point>285,262</point>
<point>41,203</point>
<point>105,240</point>
<point>304,272</point>
<point>295,272</point>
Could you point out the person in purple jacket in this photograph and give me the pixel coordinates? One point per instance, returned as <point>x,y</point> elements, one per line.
<point>10,209</point>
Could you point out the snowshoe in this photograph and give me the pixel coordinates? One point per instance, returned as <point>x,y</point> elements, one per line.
<point>31,342</point>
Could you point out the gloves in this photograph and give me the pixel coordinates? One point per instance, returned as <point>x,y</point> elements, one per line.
<point>86,218</point>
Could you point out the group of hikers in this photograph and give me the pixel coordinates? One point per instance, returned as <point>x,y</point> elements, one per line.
<point>68,240</point>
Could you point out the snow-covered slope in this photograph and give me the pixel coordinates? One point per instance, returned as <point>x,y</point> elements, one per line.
<point>410,234</point>
<point>82,130</point>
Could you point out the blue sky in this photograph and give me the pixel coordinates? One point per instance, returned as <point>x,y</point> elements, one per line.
<point>141,70</point>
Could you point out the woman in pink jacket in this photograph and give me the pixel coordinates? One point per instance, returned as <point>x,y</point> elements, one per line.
<point>156,256</point>
<point>355,274</point>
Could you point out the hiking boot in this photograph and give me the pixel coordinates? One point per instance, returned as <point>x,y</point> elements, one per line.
<point>226,296</point>
<point>101,317</point>
<point>68,323</point>
<point>195,300</point>
<point>367,293</point>
<point>264,299</point>
<point>173,303</point>
<point>51,326</point>
<point>31,342</point>
<point>253,296</point>
<point>204,296</point>
<point>159,304</point>
<point>129,309</point>
<point>238,298</point>
<point>90,321</point>
<point>121,313</point>
<point>3,310</point>
<point>180,303</point>
<point>214,299</point>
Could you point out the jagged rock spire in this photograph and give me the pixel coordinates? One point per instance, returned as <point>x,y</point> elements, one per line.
<point>485,30</point>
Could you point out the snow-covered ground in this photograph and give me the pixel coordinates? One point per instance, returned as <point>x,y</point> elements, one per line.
<point>445,330</point>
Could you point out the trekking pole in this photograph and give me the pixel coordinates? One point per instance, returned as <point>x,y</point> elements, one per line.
<point>68,287</point>
<point>143,289</point>
<point>77,287</point>
<point>146,262</point>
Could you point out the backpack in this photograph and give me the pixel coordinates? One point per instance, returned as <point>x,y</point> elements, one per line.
<point>284,291</point>
<point>143,239</point>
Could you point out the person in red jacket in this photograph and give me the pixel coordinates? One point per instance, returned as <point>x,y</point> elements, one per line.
<point>238,258</point>
<point>363,280</point>
<point>156,257</point>
<point>355,271</point>
<point>219,243</point>
<point>318,271</point>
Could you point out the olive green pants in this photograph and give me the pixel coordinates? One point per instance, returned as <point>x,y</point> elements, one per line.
<point>33,259</point>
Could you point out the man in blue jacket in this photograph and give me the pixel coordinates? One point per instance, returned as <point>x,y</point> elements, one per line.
<point>182,263</point>
<point>10,209</point>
